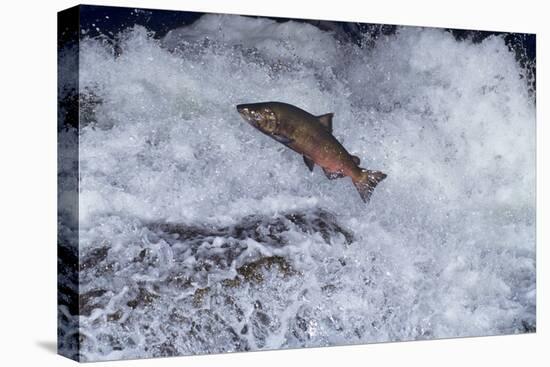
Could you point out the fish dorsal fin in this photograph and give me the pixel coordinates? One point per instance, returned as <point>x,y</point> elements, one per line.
<point>326,121</point>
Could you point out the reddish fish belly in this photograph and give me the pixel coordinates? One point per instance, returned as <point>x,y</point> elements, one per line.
<point>331,158</point>
<point>342,165</point>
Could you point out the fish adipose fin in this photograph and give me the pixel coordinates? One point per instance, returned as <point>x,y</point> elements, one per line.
<point>367,182</point>
<point>309,163</point>
<point>356,160</point>
<point>326,121</point>
<point>333,175</point>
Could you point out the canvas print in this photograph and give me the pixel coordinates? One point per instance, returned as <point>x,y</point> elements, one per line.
<point>235,183</point>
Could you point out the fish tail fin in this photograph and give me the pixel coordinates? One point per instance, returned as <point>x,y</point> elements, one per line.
<point>367,182</point>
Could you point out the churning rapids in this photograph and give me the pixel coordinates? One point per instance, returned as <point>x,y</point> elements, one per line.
<point>200,235</point>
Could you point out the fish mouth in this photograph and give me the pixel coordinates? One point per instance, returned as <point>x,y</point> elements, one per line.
<point>247,114</point>
<point>244,109</point>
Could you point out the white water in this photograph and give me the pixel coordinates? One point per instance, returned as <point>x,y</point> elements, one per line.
<point>446,247</point>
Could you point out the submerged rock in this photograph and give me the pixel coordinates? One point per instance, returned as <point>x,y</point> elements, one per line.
<point>252,272</point>
<point>143,298</point>
<point>89,301</point>
<point>267,230</point>
<point>94,257</point>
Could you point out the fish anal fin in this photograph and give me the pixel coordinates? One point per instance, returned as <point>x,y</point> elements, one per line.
<point>332,175</point>
<point>309,163</point>
<point>326,121</point>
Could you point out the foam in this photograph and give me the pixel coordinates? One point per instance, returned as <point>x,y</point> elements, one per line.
<point>446,247</point>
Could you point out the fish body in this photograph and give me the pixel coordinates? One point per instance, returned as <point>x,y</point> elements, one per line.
<point>311,136</point>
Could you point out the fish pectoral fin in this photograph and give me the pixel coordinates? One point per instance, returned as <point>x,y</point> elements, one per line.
<point>332,175</point>
<point>309,163</point>
<point>326,121</point>
<point>282,139</point>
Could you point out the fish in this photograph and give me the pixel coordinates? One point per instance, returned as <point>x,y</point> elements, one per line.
<point>311,136</point>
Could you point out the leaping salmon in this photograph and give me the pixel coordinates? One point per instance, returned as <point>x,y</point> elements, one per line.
<point>311,136</point>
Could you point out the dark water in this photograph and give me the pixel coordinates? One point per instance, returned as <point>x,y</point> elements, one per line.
<point>110,21</point>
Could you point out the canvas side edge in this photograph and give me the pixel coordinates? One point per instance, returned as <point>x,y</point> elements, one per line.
<point>68,333</point>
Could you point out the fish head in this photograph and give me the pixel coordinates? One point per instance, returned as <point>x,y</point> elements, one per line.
<point>260,115</point>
